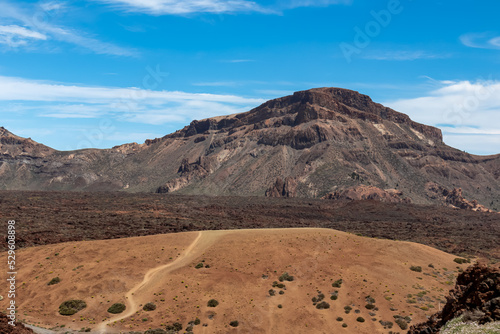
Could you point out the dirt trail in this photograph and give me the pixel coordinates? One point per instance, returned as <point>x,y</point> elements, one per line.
<point>203,240</point>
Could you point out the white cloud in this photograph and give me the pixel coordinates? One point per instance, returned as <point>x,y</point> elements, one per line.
<point>400,55</point>
<point>177,7</point>
<point>313,3</point>
<point>35,25</point>
<point>14,35</point>
<point>184,7</point>
<point>132,104</point>
<point>463,109</point>
<point>485,40</point>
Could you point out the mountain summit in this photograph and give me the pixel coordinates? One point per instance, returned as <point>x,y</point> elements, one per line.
<point>309,144</point>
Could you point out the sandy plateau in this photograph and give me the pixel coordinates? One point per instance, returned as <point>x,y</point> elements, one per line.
<point>242,266</point>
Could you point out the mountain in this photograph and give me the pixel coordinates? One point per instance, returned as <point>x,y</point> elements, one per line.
<point>309,144</point>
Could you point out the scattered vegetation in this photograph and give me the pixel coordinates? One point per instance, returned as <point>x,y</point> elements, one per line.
<point>117,308</point>
<point>212,303</point>
<point>55,280</point>
<point>71,307</point>
<point>149,307</point>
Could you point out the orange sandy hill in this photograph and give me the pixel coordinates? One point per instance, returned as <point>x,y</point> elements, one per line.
<point>239,268</point>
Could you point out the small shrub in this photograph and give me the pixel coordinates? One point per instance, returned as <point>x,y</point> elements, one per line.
<point>278,285</point>
<point>340,319</point>
<point>70,307</point>
<point>370,300</point>
<point>155,331</point>
<point>344,325</point>
<point>272,292</point>
<point>212,303</point>
<point>116,308</point>
<point>337,283</point>
<point>323,306</point>
<point>386,324</point>
<point>55,280</point>
<point>370,306</point>
<point>431,265</point>
<point>149,307</point>
<point>347,309</point>
<point>360,319</point>
<point>197,321</point>
<point>461,260</point>
<point>176,326</point>
<point>282,292</point>
<point>280,306</point>
<point>199,265</point>
<point>401,323</point>
<point>417,269</point>
<point>334,297</point>
<point>286,277</point>
<point>234,323</point>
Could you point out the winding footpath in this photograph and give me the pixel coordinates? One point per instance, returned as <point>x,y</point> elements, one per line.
<point>204,240</point>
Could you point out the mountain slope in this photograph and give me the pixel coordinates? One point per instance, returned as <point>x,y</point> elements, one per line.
<point>318,141</point>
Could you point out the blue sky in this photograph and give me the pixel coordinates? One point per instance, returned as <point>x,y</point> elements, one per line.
<point>98,73</point>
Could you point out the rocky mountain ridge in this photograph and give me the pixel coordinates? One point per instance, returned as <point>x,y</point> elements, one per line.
<point>316,142</point>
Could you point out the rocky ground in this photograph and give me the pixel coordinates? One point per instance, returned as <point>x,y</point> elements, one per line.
<point>476,297</point>
<point>53,217</point>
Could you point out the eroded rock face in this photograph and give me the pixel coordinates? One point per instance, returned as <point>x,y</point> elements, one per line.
<point>317,137</point>
<point>476,295</point>
<point>454,198</point>
<point>363,192</point>
<point>283,188</point>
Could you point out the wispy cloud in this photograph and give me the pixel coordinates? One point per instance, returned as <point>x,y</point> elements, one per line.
<point>33,24</point>
<point>58,100</point>
<point>401,55</point>
<point>178,7</point>
<point>14,35</point>
<point>461,109</point>
<point>313,3</point>
<point>485,40</point>
<point>184,7</point>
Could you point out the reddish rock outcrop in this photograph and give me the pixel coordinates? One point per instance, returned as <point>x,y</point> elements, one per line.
<point>454,198</point>
<point>283,188</point>
<point>363,192</point>
<point>19,328</point>
<point>476,295</point>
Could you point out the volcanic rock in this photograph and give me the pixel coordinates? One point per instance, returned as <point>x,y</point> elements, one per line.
<point>476,296</point>
<point>363,192</point>
<point>318,138</point>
